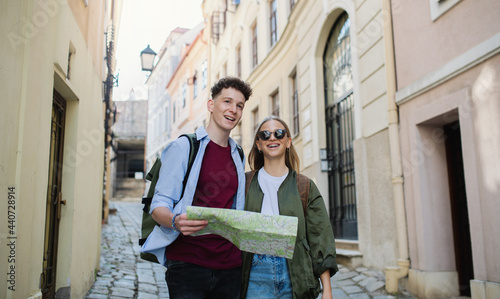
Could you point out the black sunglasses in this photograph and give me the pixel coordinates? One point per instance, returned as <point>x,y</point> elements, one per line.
<point>265,135</point>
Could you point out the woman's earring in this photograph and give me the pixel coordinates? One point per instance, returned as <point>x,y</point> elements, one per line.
<point>287,149</point>
<point>260,152</point>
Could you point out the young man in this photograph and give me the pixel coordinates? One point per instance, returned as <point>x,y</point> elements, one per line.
<point>205,266</point>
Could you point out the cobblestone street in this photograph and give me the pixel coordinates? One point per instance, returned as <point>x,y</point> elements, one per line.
<point>124,274</point>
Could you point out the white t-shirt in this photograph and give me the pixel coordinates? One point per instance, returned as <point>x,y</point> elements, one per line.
<point>270,185</point>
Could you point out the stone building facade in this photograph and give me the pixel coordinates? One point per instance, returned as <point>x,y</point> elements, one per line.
<point>448,92</point>
<point>321,66</point>
<point>52,70</point>
<point>160,102</point>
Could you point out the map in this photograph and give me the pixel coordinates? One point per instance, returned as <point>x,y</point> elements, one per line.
<point>250,231</point>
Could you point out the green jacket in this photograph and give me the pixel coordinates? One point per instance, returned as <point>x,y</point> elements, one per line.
<point>314,251</point>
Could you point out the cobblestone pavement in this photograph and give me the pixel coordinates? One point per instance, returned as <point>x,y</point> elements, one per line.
<point>124,274</point>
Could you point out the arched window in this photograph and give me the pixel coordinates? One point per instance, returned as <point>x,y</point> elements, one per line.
<point>339,117</point>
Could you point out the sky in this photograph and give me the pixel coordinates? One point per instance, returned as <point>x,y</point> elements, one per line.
<point>146,22</point>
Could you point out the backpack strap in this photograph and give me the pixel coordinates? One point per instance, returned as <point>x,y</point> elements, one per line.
<point>303,183</point>
<point>194,146</point>
<point>154,170</point>
<point>249,176</point>
<point>152,176</point>
<point>240,151</point>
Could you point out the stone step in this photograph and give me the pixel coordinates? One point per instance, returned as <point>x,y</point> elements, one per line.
<point>349,258</point>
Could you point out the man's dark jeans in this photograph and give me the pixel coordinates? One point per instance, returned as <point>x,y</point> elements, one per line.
<point>190,281</point>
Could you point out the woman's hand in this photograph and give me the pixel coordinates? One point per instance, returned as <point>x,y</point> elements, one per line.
<point>327,287</point>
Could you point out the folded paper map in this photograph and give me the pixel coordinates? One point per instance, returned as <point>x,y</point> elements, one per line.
<point>250,231</point>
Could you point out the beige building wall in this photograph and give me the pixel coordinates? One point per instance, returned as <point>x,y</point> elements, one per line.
<point>194,113</point>
<point>36,37</point>
<point>303,33</point>
<point>447,71</point>
<point>160,102</point>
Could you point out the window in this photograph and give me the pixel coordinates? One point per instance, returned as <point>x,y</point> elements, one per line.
<point>274,22</point>
<point>161,123</point>
<point>255,60</point>
<point>295,104</point>
<point>68,73</point>
<point>71,56</point>
<point>174,112</point>
<point>195,87</point>
<point>184,95</point>
<point>204,75</point>
<point>238,61</point>
<point>255,119</point>
<point>167,121</point>
<point>275,104</point>
<point>158,125</point>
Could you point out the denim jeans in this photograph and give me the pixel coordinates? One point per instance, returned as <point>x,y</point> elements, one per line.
<point>190,281</point>
<point>269,278</point>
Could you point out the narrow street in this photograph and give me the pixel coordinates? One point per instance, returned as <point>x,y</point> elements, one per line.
<point>124,274</point>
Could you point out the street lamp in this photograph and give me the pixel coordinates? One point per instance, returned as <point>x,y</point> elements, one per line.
<point>148,59</point>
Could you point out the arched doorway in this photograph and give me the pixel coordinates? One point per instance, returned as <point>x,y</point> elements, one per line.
<point>339,118</point>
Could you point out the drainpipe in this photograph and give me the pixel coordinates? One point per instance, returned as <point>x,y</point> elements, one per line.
<point>393,274</point>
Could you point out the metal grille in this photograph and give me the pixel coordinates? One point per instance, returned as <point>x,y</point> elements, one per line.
<point>52,218</point>
<point>215,27</point>
<point>340,132</point>
<point>339,116</point>
<point>295,104</point>
<point>296,113</point>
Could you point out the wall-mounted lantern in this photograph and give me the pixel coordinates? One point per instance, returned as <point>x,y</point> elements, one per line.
<point>148,59</point>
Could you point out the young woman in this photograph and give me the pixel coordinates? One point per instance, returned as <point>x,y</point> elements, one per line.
<point>273,190</point>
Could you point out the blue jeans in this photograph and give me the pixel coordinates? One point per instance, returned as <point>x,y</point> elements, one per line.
<point>190,281</point>
<point>269,278</point>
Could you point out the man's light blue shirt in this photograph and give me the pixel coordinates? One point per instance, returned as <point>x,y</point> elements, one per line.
<point>174,162</point>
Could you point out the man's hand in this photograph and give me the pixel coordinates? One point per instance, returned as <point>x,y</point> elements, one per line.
<point>163,216</point>
<point>188,227</point>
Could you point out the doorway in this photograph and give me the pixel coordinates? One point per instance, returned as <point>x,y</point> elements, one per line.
<point>459,211</point>
<point>54,201</point>
<point>339,124</point>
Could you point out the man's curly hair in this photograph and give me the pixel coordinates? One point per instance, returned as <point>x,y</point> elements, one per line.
<point>233,82</point>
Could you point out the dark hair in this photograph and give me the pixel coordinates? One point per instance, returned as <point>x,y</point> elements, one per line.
<point>256,158</point>
<point>234,82</point>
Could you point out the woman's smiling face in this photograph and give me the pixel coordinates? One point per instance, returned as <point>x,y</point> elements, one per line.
<point>273,147</point>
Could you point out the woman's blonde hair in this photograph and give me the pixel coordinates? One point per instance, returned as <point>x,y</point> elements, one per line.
<point>256,158</point>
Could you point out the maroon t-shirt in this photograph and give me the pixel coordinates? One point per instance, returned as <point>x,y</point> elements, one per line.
<point>217,185</point>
